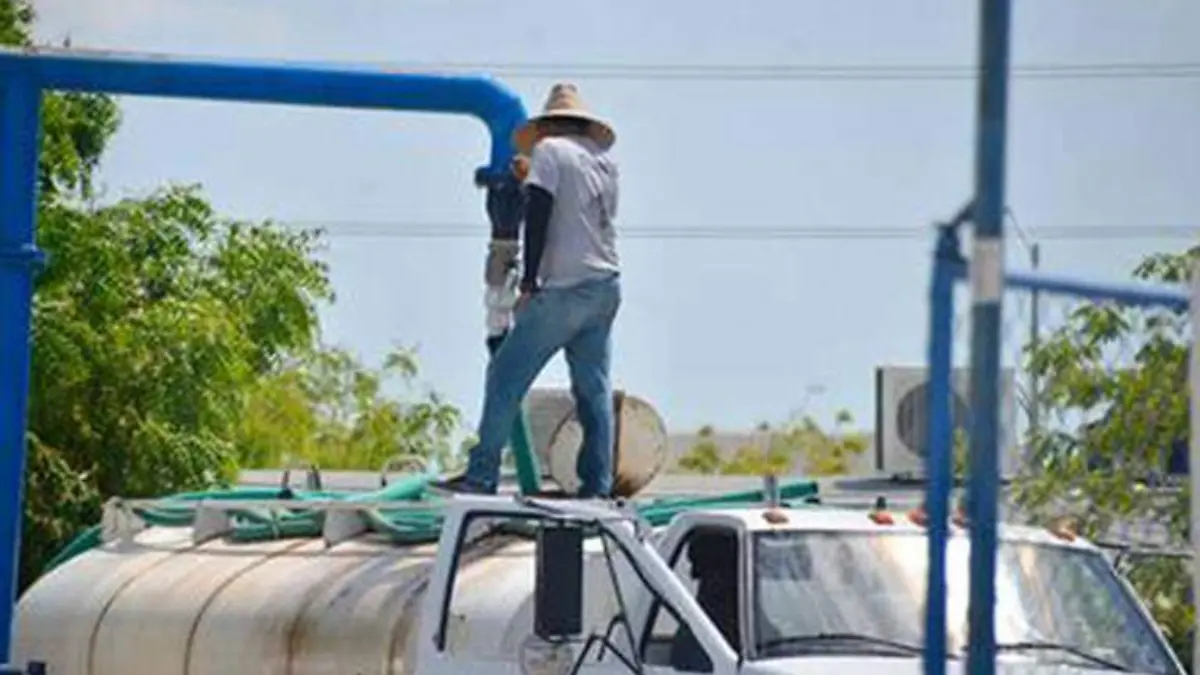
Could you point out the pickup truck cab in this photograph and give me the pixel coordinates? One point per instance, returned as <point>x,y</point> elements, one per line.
<point>758,590</point>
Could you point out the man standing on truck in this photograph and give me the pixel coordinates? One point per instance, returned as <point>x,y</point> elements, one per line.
<point>570,291</point>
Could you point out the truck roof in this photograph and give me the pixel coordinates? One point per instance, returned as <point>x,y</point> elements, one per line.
<point>835,519</point>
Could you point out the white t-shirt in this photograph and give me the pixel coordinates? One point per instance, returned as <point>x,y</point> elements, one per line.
<point>581,240</point>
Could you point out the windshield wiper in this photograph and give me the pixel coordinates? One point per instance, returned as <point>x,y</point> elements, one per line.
<point>1070,649</point>
<point>841,637</point>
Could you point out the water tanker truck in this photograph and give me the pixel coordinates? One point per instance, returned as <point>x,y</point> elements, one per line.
<point>748,584</point>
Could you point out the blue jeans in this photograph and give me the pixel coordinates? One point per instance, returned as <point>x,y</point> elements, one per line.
<point>579,320</point>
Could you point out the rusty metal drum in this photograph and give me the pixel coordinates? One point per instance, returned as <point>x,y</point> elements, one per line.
<point>640,450</point>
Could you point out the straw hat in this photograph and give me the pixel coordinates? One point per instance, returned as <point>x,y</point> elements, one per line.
<point>564,103</point>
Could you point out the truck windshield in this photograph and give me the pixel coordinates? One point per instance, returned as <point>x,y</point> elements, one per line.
<point>847,592</point>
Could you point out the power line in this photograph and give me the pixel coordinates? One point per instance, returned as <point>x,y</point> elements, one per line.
<point>798,72</point>
<point>731,232</point>
<point>758,72</point>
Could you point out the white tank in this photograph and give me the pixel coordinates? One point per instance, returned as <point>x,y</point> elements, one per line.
<point>162,606</point>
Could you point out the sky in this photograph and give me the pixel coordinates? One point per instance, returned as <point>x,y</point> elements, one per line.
<point>728,331</point>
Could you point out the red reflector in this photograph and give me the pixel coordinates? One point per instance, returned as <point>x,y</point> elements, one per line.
<point>919,517</point>
<point>882,518</point>
<point>1063,528</point>
<point>960,519</point>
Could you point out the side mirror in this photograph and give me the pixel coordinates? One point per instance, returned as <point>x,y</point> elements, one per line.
<point>558,592</point>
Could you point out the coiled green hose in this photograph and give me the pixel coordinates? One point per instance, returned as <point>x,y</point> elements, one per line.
<point>408,526</point>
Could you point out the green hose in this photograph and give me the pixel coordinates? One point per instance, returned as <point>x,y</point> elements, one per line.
<point>401,526</point>
<point>798,490</point>
<point>86,541</point>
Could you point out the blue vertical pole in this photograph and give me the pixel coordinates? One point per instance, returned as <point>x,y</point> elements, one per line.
<point>20,102</point>
<point>939,442</point>
<point>987,288</point>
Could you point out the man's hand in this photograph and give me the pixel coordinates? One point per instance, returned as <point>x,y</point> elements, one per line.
<point>520,168</point>
<point>528,290</point>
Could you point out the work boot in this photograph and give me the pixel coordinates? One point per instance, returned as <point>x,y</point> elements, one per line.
<point>458,485</point>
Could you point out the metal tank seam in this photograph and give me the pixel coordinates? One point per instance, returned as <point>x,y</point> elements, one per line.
<point>187,650</point>
<point>112,599</point>
<point>310,598</point>
<point>410,600</point>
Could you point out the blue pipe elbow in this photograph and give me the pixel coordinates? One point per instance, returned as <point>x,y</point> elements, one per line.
<point>480,96</point>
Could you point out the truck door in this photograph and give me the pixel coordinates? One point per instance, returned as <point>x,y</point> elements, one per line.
<point>707,561</point>
<point>479,616</point>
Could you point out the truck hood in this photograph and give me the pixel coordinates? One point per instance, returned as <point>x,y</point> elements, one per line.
<point>870,665</point>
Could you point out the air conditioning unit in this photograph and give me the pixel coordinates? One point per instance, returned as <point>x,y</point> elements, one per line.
<point>901,402</point>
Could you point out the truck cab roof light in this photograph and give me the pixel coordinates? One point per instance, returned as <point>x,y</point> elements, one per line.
<point>918,516</point>
<point>1063,528</point>
<point>882,518</point>
<point>775,517</point>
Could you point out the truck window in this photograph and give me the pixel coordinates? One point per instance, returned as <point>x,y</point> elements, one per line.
<point>489,611</point>
<point>492,575</point>
<point>706,561</point>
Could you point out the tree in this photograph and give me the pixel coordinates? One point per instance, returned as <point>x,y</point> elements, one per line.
<point>171,344</point>
<point>75,127</point>
<point>1108,467</point>
<point>705,456</point>
<point>803,440</point>
<point>151,323</point>
<point>328,409</point>
<point>829,453</point>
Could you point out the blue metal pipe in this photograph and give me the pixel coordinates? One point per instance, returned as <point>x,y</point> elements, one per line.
<point>20,129</point>
<point>297,84</point>
<point>987,291</point>
<point>1132,295</point>
<point>939,442</point>
<point>23,76</point>
<point>1125,294</point>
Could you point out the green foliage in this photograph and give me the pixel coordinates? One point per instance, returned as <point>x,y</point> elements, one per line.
<point>827,453</point>
<point>16,18</point>
<point>1098,469</point>
<point>328,409</point>
<point>172,345</point>
<point>801,441</point>
<point>151,322</point>
<point>705,456</point>
<point>75,129</point>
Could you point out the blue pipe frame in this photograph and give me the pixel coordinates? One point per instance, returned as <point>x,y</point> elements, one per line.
<point>939,430</point>
<point>949,268</point>
<point>985,212</point>
<point>26,73</point>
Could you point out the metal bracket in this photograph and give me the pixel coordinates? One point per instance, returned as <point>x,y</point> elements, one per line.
<point>341,526</point>
<point>210,523</point>
<point>25,256</point>
<point>312,478</point>
<point>119,522</point>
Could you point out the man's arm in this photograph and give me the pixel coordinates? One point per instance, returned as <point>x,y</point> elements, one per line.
<point>538,206</point>
<point>540,187</point>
